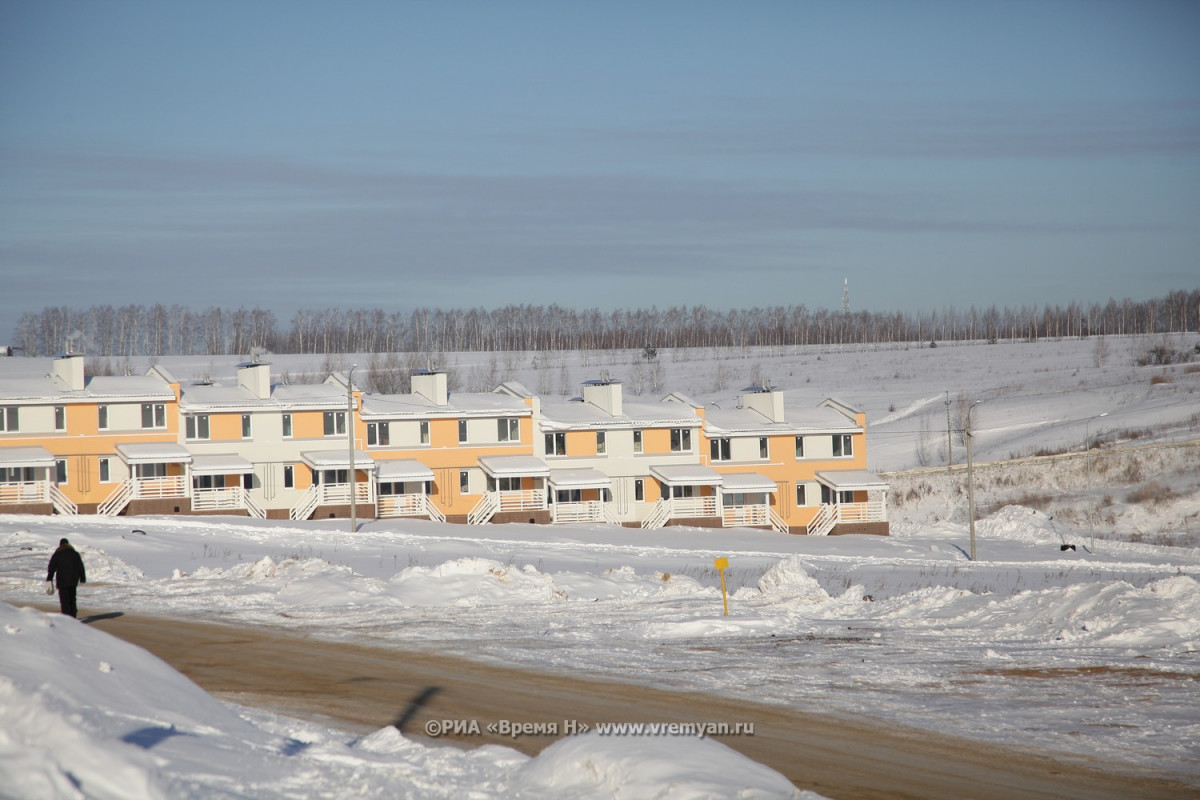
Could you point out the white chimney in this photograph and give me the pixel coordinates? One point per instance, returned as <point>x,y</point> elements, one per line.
<point>256,377</point>
<point>432,386</point>
<point>768,402</point>
<point>605,394</point>
<point>69,369</point>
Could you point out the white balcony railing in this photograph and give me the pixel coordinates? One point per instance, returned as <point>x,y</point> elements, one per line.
<point>584,511</point>
<point>25,492</point>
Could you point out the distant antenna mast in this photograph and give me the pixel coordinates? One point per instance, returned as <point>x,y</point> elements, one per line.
<point>846,296</point>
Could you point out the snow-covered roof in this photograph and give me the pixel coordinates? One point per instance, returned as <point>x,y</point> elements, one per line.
<point>402,469</point>
<point>25,457</point>
<point>461,404</point>
<point>50,389</point>
<point>232,397</point>
<point>686,475</point>
<point>747,482</point>
<point>579,479</point>
<point>220,464</point>
<point>514,466</point>
<point>337,459</point>
<point>154,453</point>
<point>851,479</point>
<point>576,414</point>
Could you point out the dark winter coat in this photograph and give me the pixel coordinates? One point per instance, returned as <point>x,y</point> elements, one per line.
<point>67,564</point>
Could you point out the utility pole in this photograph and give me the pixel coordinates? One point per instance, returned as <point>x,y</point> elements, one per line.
<point>971,480</point>
<point>350,442</point>
<point>949,447</point>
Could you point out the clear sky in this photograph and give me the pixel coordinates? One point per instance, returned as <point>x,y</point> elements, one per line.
<point>609,154</point>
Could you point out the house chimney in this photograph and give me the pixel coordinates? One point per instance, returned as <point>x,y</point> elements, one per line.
<point>432,386</point>
<point>256,377</point>
<point>604,394</point>
<point>69,369</point>
<point>768,402</point>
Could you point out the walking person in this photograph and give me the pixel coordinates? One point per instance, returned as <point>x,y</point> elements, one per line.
<point>67,564</point>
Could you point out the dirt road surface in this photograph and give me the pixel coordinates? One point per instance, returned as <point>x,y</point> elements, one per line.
<point>363,688</point>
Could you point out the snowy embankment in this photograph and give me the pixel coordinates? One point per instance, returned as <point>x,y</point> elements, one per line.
<point>1081,652</point>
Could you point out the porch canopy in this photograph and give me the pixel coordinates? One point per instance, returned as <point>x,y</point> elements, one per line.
<point>221,464</point>
<point>337,459</point>
<point>747,483</point>
<point>687,475</point>
<point>579,479</point>
<point>401,470</point>
<point>853,480</point>
<point>14,457</point>
<point>514,467</point>
<point>163,453</point>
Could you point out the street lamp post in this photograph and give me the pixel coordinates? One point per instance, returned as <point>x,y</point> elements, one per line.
<point>971,480</point>
<point>350,444</point>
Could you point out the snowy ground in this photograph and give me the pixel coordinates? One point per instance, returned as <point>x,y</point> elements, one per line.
<point>1091,652</point>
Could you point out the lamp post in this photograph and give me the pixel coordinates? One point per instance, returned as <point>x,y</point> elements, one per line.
<point>350,444</point>
<point>1087,454</point>
<point>971,480</point>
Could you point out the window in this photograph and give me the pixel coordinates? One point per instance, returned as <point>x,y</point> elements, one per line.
<point>509,430</point>
<point>568,496</point>
<point>719,449</point>
<point>637,441</point>
<point>102,417</point>
<point>681,440</point>
<point>378,434</point>
<point>105,471</point>
<point>462,431</point>
<point>763,449</point>
<point>556,444</point>
<point>16,474</point>
<point>508,484</point>
<point>150,470</point>
<point>60,470</point>
<point>289,476</point>
<point>639,490</point>
<point>60,418</point>
<point>8,419</point>
<point>287,426</point>
<point>154,415</point>
<point>248,480</point>
<point>424,431</point>
<point>841,446</point>
<point>801,495</point>
<point>464,482</point>
<point>197,426</point>
<point>799,447</point>
<point>335,423</point>
<point>601,443</point>
<point>246,428</point>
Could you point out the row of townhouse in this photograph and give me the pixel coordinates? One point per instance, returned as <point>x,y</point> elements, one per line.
<point>150,444</point>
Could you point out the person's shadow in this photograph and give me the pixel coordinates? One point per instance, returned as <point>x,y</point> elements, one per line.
<point>98,617</point>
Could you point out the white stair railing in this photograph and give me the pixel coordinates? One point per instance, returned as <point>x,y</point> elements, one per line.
<point>116,502</point>
<point>659,516</point>
<point>62,503</point>
<point>824,521</point>
<point>253,508</point>
<point>778,522</point>
<point>307,505</point>
<point>433,511</point>
<point>485,509</point>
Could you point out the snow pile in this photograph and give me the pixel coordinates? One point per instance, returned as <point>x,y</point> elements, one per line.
<point>474,582</point>
<point>85,715</point>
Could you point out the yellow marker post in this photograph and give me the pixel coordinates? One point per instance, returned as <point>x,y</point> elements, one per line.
<point>722,564</point>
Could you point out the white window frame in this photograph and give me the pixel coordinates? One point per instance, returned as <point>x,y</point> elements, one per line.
<point>374,437</point>
<point>638,444</point>
<point>60,418</point>
<point>156,414</point>
<point>423,431</point>
<point>463,432</point>
<point>289,476</point>
<point>464,481</point>
<point>681,440</point>
<point>10,419</point>
<point>508,429</point>
<point>801,495</point>
<point>764,448</point>
<point>197,428</point>
<point>601,443</point>
<point>333,423</point>
<point>720,449</point>
<point>102,418</point>
<point>287,426</point>
<point>105,469</point>
<point>61,475</point>
<point>843,445</point>
<point>247,426</point>
<point>556,444</point>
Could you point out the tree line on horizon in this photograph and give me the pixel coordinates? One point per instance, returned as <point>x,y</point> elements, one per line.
<point>160,330</point>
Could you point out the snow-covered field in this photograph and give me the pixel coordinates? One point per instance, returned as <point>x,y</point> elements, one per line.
<point>1089,652</point>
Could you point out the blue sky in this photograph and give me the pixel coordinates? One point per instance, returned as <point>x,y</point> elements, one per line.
<point>616,155</point>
